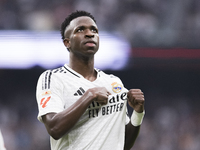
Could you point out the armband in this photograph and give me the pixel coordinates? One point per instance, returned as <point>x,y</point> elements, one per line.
<point>137,118</point>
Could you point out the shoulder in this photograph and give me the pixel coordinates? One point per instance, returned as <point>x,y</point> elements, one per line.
<point>53,72</point>
<point>108,76</point>
<point>50,78</point>
<point>52,75</point>
<point>102,73</point>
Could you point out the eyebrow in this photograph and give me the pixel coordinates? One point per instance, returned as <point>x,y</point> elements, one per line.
<point>83,26</point>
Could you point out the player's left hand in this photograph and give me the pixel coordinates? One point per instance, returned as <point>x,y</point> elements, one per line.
<point>136,99</point>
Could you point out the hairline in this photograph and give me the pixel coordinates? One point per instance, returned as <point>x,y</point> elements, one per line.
<point>65,31</point>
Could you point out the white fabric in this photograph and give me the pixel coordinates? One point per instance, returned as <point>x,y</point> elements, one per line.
<point>100,127</point>
<point>137,118</point>
<point>2,146</point>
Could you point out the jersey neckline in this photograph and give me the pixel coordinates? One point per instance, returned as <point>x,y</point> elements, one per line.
<point>79,75</point>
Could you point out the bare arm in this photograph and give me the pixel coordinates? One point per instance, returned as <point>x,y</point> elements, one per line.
<point>136,101</point>
<point>58,124</point>
<point>131,133</point>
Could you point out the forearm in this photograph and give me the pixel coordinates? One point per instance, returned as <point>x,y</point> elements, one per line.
<point>59,124</point>
<point>131,133</point>
<point>132,129</point>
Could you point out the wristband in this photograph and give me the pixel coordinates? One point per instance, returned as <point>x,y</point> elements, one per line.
<point>137,118</point>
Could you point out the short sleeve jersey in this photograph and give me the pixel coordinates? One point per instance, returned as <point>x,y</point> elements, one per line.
<point>101,127</point>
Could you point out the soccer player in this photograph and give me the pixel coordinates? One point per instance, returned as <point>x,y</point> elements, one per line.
<point>83,107</point>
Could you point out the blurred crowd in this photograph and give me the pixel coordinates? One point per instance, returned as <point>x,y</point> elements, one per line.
<point>171,128</point>
<point>152,23</point>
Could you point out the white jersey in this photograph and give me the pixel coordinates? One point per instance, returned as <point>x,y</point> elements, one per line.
<point>2,146</point>
<point>100,127</point>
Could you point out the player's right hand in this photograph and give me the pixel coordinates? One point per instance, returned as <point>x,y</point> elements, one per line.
<point>100,95</point>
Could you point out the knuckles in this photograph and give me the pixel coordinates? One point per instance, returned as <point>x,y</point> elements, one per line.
<point>136,94</point>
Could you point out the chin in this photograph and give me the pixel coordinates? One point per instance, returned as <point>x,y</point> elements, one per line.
<point>92,51</point>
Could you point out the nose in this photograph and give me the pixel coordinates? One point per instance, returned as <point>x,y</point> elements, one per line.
<point>89,33</point>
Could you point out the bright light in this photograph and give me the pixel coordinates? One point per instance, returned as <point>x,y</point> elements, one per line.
<point>25,49</point>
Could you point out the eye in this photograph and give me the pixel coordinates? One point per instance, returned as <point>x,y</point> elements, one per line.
<point>79,30</point>
<point>94,30</point>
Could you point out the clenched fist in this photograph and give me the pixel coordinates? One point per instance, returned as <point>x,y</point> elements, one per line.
<point>136,99</point>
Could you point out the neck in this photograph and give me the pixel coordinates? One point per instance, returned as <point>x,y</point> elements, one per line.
<point>85,67</point>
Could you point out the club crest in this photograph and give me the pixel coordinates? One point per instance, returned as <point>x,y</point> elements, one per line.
<point>116,87</point>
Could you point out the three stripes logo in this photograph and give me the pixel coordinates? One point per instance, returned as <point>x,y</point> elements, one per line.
<point>79,92</point>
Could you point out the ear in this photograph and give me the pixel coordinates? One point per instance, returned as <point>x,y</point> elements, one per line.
<point>66,42</point>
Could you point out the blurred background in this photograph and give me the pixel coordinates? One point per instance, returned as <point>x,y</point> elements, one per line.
<point>153,45</point>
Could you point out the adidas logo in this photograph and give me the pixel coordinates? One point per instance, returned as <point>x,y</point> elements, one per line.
<point>79,92</point>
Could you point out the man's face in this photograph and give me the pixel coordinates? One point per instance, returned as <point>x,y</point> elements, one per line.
<point>82,36</point>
